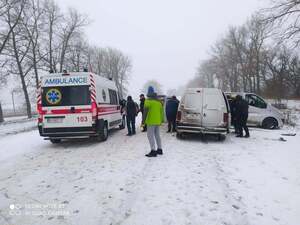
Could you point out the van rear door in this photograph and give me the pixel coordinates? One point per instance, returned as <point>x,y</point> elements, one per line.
<point>192,106</point>
<point>214,108</point>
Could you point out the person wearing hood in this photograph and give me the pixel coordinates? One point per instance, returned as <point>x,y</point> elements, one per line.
<point>142,103</point>
<point>171,112</point>
<point>233,113</point>
<point>153,117</point>
<point>242,116</point>
<point>131,112</point>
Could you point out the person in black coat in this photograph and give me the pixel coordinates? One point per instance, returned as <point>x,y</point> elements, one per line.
<point>232,104</point>
<point>142,103</point>
<point>171,112</point>
<point>131,113</point>
<point>242,116</point>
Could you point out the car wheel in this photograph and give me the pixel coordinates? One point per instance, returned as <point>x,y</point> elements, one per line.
<point>103,133</point>
<point>55,141</point>
<point>270,123</point>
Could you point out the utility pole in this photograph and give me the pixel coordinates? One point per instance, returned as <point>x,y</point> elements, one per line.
<point>13,102</point>
<point>1,114</point>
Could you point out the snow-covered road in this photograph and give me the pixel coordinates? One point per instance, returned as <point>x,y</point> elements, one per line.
<point>252,181</point>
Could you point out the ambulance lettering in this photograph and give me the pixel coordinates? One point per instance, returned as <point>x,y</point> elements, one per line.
<point>66,80</point>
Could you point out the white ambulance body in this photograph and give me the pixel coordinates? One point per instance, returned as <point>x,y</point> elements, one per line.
<point>77,105</point>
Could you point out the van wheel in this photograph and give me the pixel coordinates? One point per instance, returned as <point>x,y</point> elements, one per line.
<point>103,132</point>
<point>270,123</point>
<point>221,137</point>
<point>55,141</point>
<point>179,135</point>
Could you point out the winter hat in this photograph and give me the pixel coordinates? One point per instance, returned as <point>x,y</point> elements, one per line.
<point>150,90</point>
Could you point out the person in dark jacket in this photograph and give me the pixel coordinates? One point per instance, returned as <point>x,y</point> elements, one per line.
<point>142,103</point>
<point>131,113</point>
<point>123,111</point>
<point>171,112</point>
<point>232,104</point>
<point>242,116</point>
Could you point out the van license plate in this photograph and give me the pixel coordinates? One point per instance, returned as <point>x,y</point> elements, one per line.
<point>192,116</point>
<point>54,120</point>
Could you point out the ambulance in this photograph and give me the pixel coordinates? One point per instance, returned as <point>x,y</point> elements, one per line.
<point>77,105</point>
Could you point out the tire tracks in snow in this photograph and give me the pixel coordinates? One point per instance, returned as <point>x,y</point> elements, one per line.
<point>238,207</point>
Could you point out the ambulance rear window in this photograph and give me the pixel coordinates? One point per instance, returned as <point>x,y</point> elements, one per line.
<point>66,96</point>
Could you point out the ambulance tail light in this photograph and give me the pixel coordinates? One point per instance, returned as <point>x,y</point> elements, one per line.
<point>94,111</point>
<point>40,118</point>
<point>40,113</point>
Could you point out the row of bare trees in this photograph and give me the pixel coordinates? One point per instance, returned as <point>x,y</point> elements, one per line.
<point>260,56</point>
<point>36,37</point>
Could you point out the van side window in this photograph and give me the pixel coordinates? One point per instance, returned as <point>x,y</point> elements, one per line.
<point>256,101</point>
<point>113,97</point>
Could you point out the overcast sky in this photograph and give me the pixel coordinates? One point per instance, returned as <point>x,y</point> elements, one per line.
<point>165,38</point>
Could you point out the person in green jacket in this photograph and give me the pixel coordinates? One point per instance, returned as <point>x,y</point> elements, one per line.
<point>153,117</point>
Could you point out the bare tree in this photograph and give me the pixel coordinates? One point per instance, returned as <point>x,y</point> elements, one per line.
<point>205,73</point>
<point>237,62</point>
<point>18,48</point>
<point>284,15</point>
<point>294,76</point>
<point>52,18</point>
<point>36,36</point>
<point>278,64</point>
<point>259,32</point>
<point>113,64</point>
<point>6,8</point>
<point>33,26</point>
<point>77,57</point>
<point>72,26</point>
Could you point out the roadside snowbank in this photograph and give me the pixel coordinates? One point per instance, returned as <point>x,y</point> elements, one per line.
<point>17,125</point>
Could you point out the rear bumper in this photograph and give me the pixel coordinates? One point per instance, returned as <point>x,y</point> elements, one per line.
<point>192,128</point>
<point>67,132</point>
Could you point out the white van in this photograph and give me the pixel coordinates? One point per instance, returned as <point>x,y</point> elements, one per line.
<point>261,113</point>
<point>77,105</point>
<point>203,110</point>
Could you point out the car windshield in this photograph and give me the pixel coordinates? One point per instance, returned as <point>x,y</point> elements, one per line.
<point>66,96</point>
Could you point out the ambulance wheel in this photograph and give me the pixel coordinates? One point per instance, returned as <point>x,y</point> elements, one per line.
<point>55,141</point>
<point>103,132</point>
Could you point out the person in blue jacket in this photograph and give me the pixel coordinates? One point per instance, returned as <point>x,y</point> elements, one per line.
<point>171,113</point>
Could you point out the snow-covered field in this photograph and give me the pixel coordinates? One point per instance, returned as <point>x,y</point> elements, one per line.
<point>252,181</point>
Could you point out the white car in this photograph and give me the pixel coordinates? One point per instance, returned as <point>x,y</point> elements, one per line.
<point>261,113</point>
<point>203,110</point>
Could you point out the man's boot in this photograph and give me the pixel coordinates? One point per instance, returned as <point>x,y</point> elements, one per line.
<point>159,151</point>
<point>151,154</point>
